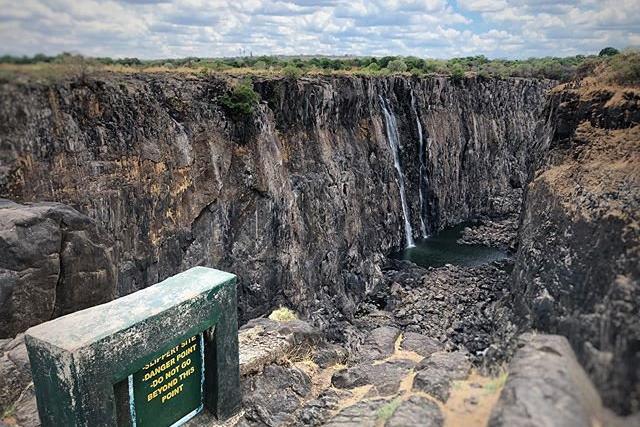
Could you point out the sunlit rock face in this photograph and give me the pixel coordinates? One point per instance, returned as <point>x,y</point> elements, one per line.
<point>300,199</point>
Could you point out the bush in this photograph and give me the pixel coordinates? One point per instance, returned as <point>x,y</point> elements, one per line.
<point>624,68</point>
<point>609,51</point>
<point>260,65</point>
<point>587,68</point>
<point>373,67</point>
<point>291,72</point>
<point>242,100</point>
<point>457,72</point>
<point>397,66</point>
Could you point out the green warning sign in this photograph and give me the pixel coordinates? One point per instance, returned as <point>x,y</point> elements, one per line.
<point>168,390</point>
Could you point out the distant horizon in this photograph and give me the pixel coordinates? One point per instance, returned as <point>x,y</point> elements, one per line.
<point>438,29</point>
<point>310,56</point>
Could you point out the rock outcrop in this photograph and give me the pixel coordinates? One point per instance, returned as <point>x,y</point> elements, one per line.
<point>578,266</point>
<point>53,261</point>
<point>546,386</point>
<point>300,199</point>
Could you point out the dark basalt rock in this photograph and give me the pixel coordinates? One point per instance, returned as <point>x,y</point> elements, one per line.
<point>53,261</point>
<point>317,411</point>
<point>578,265</point>
<point>416,411</point>
<point>362,414</point>
<point>385,376</point>
<point>421,344</point>
<point>378,344</point>
<point>435,382</point>
<point>466,308</point>
<point>15,371</point>
<point>26,410</point>
<point>437,372</point>
<point>455,363</point>
<point>294,206</point>
<point>500,234</point>
<point>273,396</point>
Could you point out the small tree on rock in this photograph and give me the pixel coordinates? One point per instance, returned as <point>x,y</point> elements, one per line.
<point>242,99</point>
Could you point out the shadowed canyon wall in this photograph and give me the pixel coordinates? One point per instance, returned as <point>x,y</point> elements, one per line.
<point>578,265</point>
<point>301,199</point>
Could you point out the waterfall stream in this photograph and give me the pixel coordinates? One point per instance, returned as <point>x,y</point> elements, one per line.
<point>421,155</point>
<point>394,142</point>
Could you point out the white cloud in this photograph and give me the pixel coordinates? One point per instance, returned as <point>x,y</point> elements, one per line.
<point>438,28</point>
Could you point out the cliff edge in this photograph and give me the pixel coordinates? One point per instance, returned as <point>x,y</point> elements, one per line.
<point>577,272</point>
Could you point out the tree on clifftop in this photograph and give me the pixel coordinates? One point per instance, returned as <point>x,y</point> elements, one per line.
<point>609,51</point>
<point>397,66</point>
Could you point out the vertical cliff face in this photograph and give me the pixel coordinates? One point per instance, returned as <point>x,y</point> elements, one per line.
<point>301,199</point>
<point>578,271</point>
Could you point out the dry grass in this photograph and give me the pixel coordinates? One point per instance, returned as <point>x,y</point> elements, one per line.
<point>283,314</point>
<point>483,391</point>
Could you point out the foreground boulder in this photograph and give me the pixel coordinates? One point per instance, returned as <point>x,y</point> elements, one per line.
<point>52,262</point>
<point>546,386</point>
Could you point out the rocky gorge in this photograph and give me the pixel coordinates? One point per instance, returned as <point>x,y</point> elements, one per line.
<point>298,197</point>
<point>306,197</point>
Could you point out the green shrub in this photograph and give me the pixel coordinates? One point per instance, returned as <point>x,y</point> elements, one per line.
<point>373,67</point>
<point>387,410</point>
<point>291,72</point>
<point>587,68</point>
<point>260,65</point>
<point>242,99</point>
<point>457,72</point>
<point>397,66</point>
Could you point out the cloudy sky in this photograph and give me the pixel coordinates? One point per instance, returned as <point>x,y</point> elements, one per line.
<point>425,28</point>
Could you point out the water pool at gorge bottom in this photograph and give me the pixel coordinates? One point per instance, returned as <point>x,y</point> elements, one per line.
<point>442,248</point>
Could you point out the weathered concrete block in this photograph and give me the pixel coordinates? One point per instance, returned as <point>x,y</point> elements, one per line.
<point>90,368</point>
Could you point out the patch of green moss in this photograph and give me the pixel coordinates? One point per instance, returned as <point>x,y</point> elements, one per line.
<point>387,410</point>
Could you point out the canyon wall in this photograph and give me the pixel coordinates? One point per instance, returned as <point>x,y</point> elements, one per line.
<point>300,199</point>
<point>578,265</point>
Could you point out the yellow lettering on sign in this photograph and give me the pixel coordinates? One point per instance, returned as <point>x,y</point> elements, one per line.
<point>176,391</point>
<point>169,363</point>
<point>169,353</point>
<point>155,393</point>
<point>167,372</point>
<point>186,352</point>
<point>189,341</point>
<point>187,374</point>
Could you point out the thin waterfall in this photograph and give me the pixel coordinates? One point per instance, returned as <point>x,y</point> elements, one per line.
<point>394,142</point>
<point>422,156</point>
